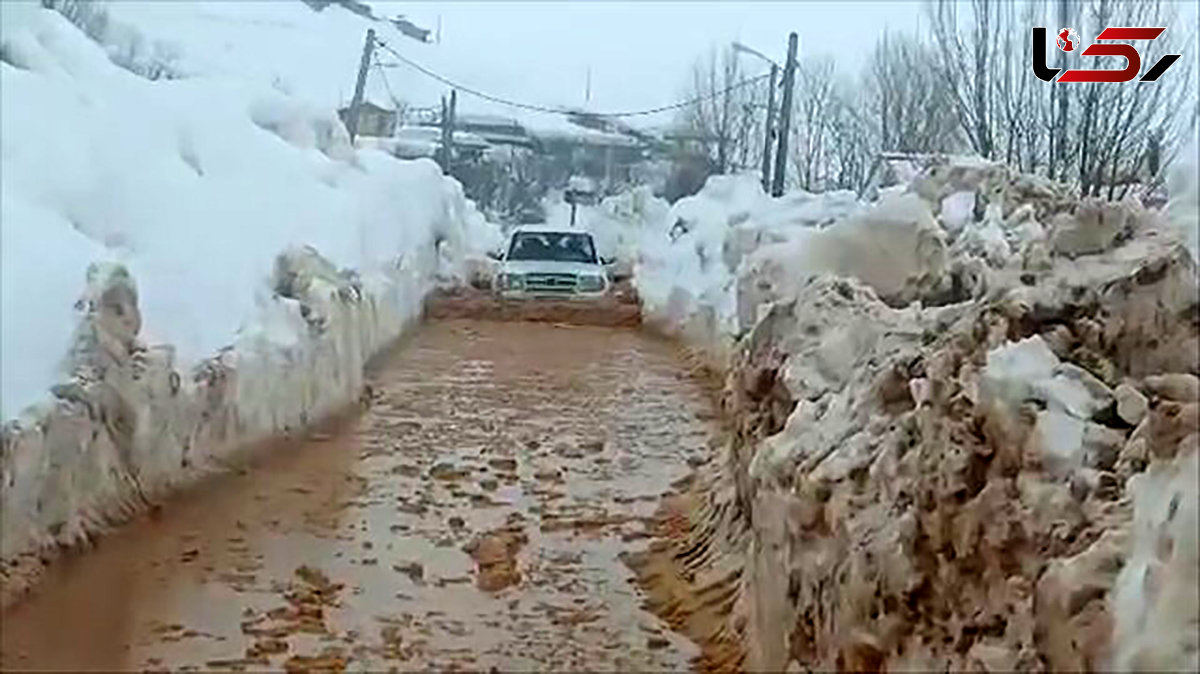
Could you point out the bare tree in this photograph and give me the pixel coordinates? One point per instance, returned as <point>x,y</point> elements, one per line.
<point>914,105</point>
<point>853,144</point>
<point>970,87</point>
<point>967,63</point>
<point>1022,110</point>
<point>1060,102</point>
<point>832,145</point>
<point>722,120</point>
<point>1102,135</point>
<point>812,122</point>
<point>1120,123</point>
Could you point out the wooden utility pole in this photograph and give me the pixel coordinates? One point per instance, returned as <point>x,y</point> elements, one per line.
<point>360,85</point>
<point>766,163</point>
<point>448,130</point>
<point>785,116</point>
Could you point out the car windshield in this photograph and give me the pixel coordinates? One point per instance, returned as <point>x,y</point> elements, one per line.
<point>556,246</point>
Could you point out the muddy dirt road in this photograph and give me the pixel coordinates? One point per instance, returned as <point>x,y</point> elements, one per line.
<point>472,517</point>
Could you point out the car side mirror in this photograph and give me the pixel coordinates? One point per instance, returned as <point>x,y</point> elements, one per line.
<point>494,254</point>
<point>607,260</point>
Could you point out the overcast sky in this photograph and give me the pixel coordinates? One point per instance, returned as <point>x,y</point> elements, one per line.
<point>639,53</point>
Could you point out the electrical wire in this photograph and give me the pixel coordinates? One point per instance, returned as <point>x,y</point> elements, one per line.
<point>386,85</point>
<point>562,111</point>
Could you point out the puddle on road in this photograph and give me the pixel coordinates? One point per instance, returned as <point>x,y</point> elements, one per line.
<point>472,518</point>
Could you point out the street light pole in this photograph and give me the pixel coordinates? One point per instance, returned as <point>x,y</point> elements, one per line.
<point>767,133</point>
<point>785,116</point>
<point>738,46</point>
<point>766,158</point>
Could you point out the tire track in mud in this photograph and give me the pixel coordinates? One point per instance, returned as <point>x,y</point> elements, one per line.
<point>477,515</point>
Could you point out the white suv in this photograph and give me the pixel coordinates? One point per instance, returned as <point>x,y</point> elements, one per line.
<point>544,261</point>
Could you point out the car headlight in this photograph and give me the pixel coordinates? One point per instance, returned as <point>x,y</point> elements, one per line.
<point>507,281</point>
<point>590,283</point>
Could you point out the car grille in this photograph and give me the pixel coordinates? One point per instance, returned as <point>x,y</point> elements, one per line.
<point>555,283</point>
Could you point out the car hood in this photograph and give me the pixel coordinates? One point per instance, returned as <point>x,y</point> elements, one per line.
<point>550,267</point>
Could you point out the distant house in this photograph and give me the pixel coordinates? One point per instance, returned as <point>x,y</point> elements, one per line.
<point>496,130</point>
<point>412,142</point>
<point>373,120</point>
<point>602,155</point>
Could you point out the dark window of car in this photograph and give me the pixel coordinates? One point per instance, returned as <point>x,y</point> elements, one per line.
<point>555,246</point>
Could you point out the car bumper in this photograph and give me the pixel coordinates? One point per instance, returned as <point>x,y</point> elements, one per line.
<point>551,294</point>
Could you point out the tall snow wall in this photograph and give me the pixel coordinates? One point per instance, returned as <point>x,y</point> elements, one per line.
<point>964,426</point>
<point>189,265</point>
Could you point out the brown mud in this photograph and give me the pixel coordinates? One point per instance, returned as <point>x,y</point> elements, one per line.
<point>477,514</point>
<point>617,309</point>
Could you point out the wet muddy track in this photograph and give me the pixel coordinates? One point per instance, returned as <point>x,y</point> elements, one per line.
<point>472,517</point>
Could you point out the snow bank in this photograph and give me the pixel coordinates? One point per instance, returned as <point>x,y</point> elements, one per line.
<point>195,185</point>
<point>619,222</point>
<point>1154,599</point>
<point>1184,206</point>
<point>719,255</point>
<point>286,46</point>
<point>687,265</point>
<point>682,274</point>
<point>188,265</point>
<point>964,428</point>
<point>958,230</point>
<point>36,306</point>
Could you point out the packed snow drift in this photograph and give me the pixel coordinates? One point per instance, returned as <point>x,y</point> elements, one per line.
<point>189,263</point>
<point>966,425</point>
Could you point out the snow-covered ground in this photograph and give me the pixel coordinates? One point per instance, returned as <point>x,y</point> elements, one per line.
<point>195,184</point>
<point>313,56</point>
<point>714,260</point>
<point>193,262</point>
<point>687,255</point>
<point>965,420</point>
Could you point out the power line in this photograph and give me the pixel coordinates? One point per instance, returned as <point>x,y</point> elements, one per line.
<point>386,85</point>
<point>561,111</point>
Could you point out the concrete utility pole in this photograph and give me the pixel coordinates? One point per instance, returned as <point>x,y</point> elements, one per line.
<point>785,115</point>
<point>448,130</point>
<point>441,151</point>
<point>766,163</point>
<point>356,102</point>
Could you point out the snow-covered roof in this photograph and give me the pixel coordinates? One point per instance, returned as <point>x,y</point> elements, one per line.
<point>587,136</point>
<point>550,229</point>
<point>487,120</point>
<point>378,105</point>
<point>468,139</point>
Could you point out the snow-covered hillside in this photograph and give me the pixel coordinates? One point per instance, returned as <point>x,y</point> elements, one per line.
<point>195,184</point>
<point>314,56</point>
<point>189,263</point>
